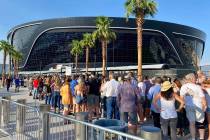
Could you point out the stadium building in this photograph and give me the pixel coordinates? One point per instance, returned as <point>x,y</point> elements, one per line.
<point>45,43</point>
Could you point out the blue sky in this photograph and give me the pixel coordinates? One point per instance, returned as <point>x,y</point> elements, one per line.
<point>195,13</point>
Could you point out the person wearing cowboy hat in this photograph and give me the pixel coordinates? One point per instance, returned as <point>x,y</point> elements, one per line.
<point>168,112</point>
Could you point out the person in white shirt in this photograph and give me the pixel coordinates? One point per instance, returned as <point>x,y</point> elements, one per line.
<point>110,90</point>
<point>168,112</point>
<point>195,105</point>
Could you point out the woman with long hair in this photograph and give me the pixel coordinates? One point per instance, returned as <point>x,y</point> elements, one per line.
<point>168,112</point>
<point>80,93</point>
<point>182,121</point>
<point>66,97</point>
<point>103,97</point>
<point>56,94</point>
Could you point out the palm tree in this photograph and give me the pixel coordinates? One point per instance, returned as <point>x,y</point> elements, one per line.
<point>5,47</point>
<point>140,9</point>
<point>87,42</point>
<point>76,50</point>
<point>11,53</point>
<point>105,35</point>
<point>17,56</point>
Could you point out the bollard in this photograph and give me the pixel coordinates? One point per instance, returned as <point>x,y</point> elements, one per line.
<point>150,132</point>
<point>81,130</point>
<point>5,110</point>
<point>45,121</point>
<point>20,116</point>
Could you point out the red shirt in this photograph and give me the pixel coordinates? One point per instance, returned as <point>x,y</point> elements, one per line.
<point>35,83</point>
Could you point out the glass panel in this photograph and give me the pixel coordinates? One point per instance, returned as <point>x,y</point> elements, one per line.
<point>199,50</point>
<point>21,40</point>
<point>190,48</point>
<point>157,50</point>
<point>53,47</point>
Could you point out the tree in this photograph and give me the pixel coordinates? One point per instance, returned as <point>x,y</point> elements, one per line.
<point>76,50</point>
<point>5,47</point>
<point>87,42</point>
<point>17,56</point>
<point>11,53</point>
<point>105,35</point>
<point>140,9</point>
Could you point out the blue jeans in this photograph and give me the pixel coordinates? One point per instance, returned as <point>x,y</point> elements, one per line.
<point>164,127</point>
<point>112,108</point>
<point>56,99</point>
<point>48,99</point>
<point>35,91</point>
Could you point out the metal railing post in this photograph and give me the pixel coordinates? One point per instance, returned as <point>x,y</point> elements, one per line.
<point>45,126</point>
<point>5,110</point>
<point>20,116</point>
<point>80,129</point>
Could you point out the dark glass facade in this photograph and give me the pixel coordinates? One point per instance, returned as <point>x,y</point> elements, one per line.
<point>190,49</point>
<point>21,39</point>
<point>47,43</point>
<point>53,47</point>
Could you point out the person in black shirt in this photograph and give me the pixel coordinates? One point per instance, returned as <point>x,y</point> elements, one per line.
<point>93,96</point>
<point>8,82</point>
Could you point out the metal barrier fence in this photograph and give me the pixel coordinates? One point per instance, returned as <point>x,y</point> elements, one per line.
<point>20,121</point>
<point>23,122</point>
<point>69,128</point>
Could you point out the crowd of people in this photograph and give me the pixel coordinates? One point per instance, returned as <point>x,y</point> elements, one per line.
<point>17,82</point>
<point>176,106</point>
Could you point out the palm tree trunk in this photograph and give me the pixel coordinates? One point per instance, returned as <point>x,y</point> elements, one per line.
<point>87,58</point>
<point>17,69</point>
<point>139,22</point>
<point>76,62</point>
<point>4,68</point>
<point>14,66</point>
<point>10,61</point>
<point>103,57</point>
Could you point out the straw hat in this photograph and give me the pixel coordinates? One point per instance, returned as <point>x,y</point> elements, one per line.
<point>166,86</point>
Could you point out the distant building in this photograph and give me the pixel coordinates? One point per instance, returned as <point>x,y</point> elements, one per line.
<point>206,70</point>
<point>45,43</point>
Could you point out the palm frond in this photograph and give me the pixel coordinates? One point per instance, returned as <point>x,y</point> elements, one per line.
<point>140,7</point>
<point>88,40</point>
<point>103,32</point>
<point>76,48</point>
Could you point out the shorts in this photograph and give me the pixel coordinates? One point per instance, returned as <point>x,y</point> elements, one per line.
<point>130,117</point>
<point>194,114</point>
<point>92,100</point>
<point>208,110</point>
<point>200,125</point>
